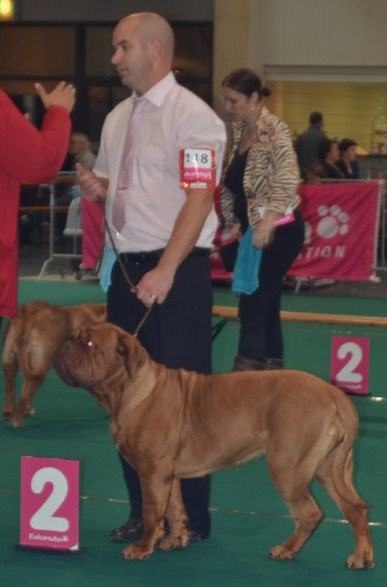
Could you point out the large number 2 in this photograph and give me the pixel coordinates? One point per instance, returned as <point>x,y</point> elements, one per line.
<point>347,373</point>
<point>44,518</point>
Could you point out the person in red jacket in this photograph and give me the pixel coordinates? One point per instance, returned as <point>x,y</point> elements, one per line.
<point>27,155</point>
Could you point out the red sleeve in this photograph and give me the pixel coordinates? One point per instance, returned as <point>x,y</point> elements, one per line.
<point>27,154</point>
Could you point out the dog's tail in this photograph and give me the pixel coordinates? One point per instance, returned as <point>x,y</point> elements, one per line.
<point>342,470</point>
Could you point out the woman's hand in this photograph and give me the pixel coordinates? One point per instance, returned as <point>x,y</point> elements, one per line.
<point>232,231</point>
<point>264,231</point>
<point>62,95</point>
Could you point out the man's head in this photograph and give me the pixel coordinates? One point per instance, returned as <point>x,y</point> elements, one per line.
<point>316,119</point>
<point>79,143</point>
<point>143,50</point>
<point>348,149</point>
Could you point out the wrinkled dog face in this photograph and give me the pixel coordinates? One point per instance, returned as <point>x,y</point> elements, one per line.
<point>89,356</point>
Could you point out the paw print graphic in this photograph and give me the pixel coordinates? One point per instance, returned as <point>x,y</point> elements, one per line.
<point>332,221</point>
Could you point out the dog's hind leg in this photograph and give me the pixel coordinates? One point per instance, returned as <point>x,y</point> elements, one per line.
<point>356,511</point>
<point>10,368</point>
<point>177,520</point>
<point>23,405</point>
<point>292,483</point>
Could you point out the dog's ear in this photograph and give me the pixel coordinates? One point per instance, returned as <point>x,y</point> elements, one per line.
<point>133,352</point>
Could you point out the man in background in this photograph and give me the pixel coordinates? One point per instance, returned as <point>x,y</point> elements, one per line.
<point>66,189</point>
<point>308,143</point>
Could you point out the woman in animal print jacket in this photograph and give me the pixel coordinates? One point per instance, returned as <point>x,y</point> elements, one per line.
<point>259,191</point>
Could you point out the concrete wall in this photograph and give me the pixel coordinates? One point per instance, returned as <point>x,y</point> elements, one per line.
<point>333,32</point>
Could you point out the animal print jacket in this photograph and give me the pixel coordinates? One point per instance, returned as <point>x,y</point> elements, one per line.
<point>271,175</point>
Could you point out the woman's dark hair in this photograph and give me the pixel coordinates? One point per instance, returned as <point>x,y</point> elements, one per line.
<point>324,147</point>
<point>346,143</point>
<point>246,82</point>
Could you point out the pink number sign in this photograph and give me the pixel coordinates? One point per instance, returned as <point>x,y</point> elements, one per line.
<point>49,512</point>
<point>350,363</point>
<point>197,168</point>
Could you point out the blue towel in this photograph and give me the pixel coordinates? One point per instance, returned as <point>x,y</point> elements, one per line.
<point>245,275</point>
<point>108,260</point>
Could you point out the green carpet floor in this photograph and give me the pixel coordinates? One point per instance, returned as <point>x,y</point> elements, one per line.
<point>248,516</point>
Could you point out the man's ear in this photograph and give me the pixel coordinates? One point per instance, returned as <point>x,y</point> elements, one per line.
<point>133,352</point>
<point>156,48</point>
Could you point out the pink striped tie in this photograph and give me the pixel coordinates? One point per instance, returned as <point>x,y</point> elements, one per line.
<point>139,107</point>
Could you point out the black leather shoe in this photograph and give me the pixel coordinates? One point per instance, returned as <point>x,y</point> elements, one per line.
<point>129,532</point>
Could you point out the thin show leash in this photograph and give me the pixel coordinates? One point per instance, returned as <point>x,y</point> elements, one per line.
<point>217,329</point>
<point>127,278</point>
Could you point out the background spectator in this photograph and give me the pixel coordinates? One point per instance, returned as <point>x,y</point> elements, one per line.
<point>326,166</point>
<point>308,142</point>
<point>65,190</point>
<point>347,163</point>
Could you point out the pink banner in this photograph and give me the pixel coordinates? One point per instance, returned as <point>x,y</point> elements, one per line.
<point>92,233</point>
<point>341,230</point>
<point>49,508</point>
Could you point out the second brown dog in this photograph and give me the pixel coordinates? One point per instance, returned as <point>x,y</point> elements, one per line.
<point>32,339</point>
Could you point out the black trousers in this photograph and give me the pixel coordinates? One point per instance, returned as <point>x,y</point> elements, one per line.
<point>260,324</point>
<point>176,333</point>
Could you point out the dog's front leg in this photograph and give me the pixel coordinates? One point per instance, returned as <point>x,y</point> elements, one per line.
<point>177,519</point>
<point>155,494</point>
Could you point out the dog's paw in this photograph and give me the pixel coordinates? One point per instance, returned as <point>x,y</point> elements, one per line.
<point>171,542</point>
<point>281,552</point>
<point>136,552</point>
<point>30,411</point>
<point>359,562</point>
<point>16,422</point>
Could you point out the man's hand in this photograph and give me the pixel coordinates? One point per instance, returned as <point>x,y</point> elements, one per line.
<point>62,95</point>
<point>154,286</point>
<point>92,187</point>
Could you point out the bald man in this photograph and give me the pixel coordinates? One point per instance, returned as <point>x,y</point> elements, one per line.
<point>158,191</point>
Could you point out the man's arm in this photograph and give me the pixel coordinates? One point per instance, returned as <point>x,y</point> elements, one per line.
<point>156,284</point>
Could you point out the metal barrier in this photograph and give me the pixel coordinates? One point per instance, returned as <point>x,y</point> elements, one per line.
<point>74,238</point>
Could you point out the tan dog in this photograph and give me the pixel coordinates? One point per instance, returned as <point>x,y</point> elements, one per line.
<point>173,424</point>
<point>32,338</point>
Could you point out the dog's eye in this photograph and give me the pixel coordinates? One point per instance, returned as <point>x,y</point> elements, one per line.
<point>90,345</point>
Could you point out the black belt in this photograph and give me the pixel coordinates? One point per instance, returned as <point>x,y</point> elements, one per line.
<point>154,256</point>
